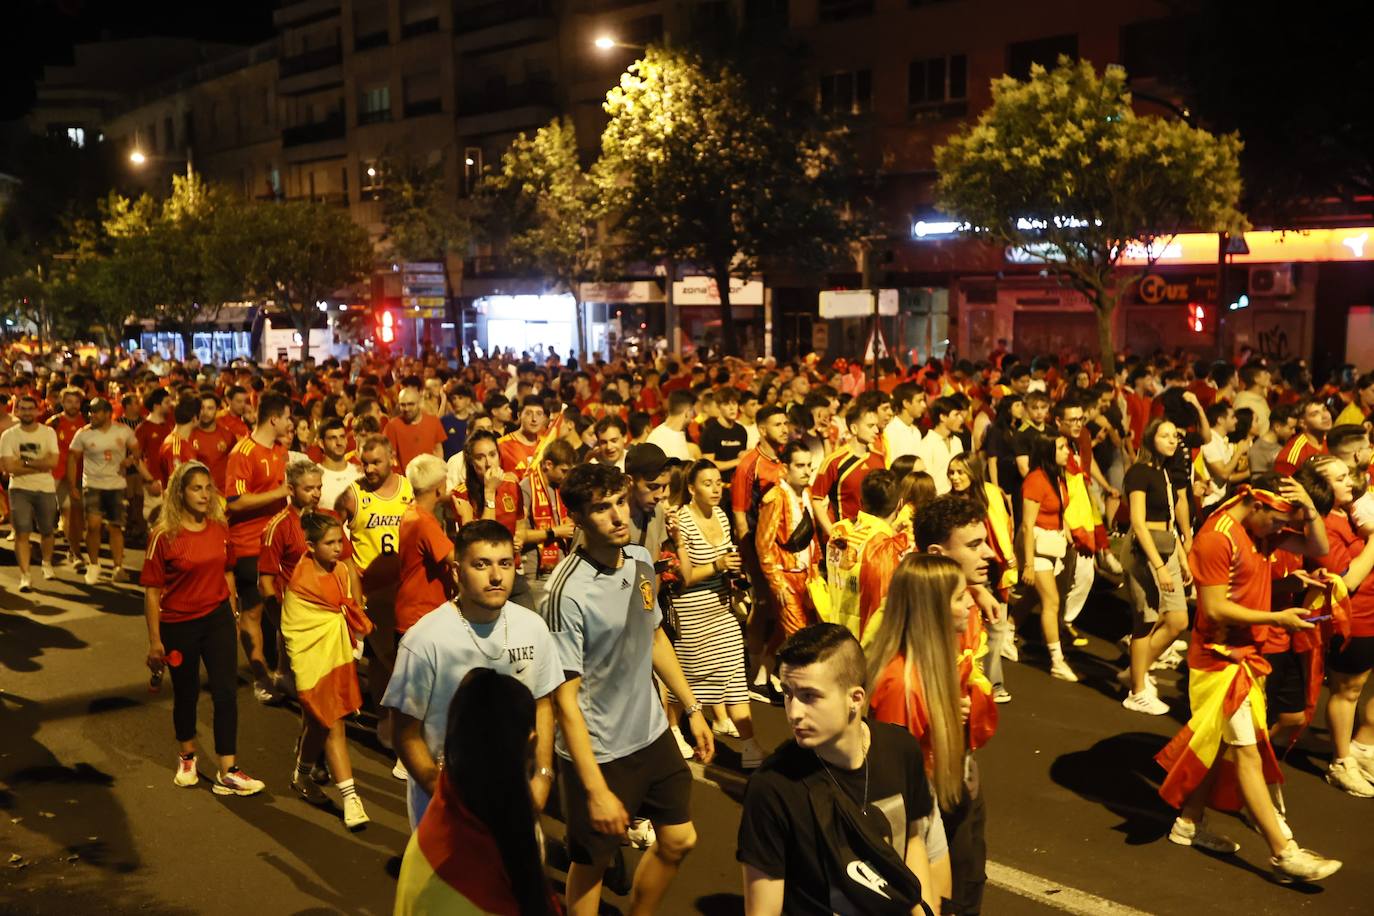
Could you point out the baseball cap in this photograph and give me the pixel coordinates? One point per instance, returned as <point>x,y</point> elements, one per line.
<point>647,461</point>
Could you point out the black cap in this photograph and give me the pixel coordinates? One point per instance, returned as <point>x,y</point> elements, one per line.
<point>646,461</point>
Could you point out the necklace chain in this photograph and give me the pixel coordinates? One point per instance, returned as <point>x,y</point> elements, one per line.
<point>472,634</point>
<point>863,808</point>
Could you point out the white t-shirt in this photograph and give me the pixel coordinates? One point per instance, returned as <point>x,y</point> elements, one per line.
<point>1218,451</point>
<point>333,483</point>
<point>935,453</point>
<point>42,441</point>
<point>673,443</point>
<point>102,452</point>
<point>901,438</point>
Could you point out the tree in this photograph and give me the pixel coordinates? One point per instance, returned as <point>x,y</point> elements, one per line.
<point>547,205</point>
<point>300,253</point>
<point>704,166</point>
<point>422,219</point>
<point>1062,168</point>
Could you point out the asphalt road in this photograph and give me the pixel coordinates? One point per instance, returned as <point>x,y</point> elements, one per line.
<point>90,822</point>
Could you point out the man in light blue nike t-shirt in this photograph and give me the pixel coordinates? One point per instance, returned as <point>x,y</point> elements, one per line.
<point>617,758</point>
<point>483,630</point>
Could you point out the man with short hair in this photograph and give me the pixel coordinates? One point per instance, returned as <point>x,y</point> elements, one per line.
<point>213,440</point>
<point>520,448</point>
<point>65,425</point>
<point>426,553</point>
<point>1283,423</point>
<point>619,758</point>
<point>722,439</point>
<point>1257,381</point>
<point>1361,404</point>
<point>481,628</point>
<point>942,442</point>
<point>835,495</point>
<point>256,490</point>
<point>611,441</point>
<point>412,431</point>
<point>550,529</point>
<point>1222,456</point>
<point>283,540</point>
<point>234,416</point>
<point>28,454</point>
<point>460,409</point>
<point>1314,422</point>
<point>863,553</point>
<point>671,434</point>
<point>106,451</point>
<point>902,436</point>
<point>872,769</point>
<point>336,471</point>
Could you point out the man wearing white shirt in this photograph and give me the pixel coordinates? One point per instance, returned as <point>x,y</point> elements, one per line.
<point>942,442</point>
<point>902,436</point>
<point>671,434</point>
<point>612,436</point>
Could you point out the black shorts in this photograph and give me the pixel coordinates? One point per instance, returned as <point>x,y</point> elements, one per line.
<point>653,782</point>
<point>1285,689</point>
<point>246,581</point>
<point>1356,658</point>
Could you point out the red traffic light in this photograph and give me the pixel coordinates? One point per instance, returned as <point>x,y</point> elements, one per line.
<point>1199,317</point>
<point>386,326</point>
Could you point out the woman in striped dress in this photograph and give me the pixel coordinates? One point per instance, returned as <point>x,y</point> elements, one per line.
<point>709,644</point>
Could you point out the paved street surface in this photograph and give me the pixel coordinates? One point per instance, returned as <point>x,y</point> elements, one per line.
<point>90,821</point>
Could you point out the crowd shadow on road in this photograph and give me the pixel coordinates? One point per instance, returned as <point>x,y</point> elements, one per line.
<point>23,641</point>
<point>1120,773</point>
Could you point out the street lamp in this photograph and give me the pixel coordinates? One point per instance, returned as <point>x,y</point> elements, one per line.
<point>606,43</point>
<point>139,158</point>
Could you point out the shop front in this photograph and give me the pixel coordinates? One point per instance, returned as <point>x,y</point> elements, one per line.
<point>696,300</point>
<point>626,313</point>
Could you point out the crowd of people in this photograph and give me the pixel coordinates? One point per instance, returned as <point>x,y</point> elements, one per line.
<point>549,580</point>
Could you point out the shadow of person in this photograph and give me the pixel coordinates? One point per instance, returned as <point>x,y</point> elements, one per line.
<point>23,641</point>
<point>73,806</point>
<point>1120,773</point>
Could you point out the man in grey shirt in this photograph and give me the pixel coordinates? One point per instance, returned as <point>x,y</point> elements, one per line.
<point>106,451</point>
<point>1265,450</point>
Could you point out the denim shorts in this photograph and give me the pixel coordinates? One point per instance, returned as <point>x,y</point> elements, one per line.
<point>32,510</point>
<point>108,504</point>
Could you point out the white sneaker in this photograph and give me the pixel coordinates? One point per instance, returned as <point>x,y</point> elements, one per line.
<point>1345,774</point>
<point>1297,864</point>
<point>354,814</point>
<point>641,833</point>
<point>187,775</point>
<point>399,770</point>
<point>24,584</point>
<point>1189,833</point>
<point>1148,702</point>
<point>1284,829</point>
<point>236,782</point>
<point>49,572</point>
<point>751,755</point>
<point>119,575</point>
<point>1365,763</point>
<point>1009,650</point>
<point>725,727</point>
<point>1001,695</point>
<point>1123,678</point>
<point>93,574</point>
<point>263,695</point>
<point>1060,670</point>
<point>687,752</point>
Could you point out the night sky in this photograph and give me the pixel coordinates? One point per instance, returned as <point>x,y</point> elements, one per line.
<point>38,32</point>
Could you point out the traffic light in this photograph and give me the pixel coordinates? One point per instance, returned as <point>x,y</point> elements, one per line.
<point>1201,318</point>
<point>386,326</point>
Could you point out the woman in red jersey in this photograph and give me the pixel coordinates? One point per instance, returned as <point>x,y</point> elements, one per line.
<point>190,604</point>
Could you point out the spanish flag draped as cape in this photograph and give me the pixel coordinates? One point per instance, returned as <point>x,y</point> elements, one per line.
<point>1216,689</point>
<point>319,617</point>
<point>452,865</point>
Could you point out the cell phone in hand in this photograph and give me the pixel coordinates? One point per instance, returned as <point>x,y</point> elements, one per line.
<point>1320,619</point>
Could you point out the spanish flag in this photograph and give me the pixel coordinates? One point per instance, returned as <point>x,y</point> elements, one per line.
<point>452,865</point>
<point>319,618</point>
<point>1216,690</point>
<point>973,648</point>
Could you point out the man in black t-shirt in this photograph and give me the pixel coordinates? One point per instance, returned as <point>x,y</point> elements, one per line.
<point>879,767</point>
<point>723,440</point>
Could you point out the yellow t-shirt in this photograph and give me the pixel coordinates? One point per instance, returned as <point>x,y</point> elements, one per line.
<point>376,525</point>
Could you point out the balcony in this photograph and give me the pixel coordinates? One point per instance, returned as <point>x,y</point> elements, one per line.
<point>331,128</point>
<point>311,70</point>
<point>506,98</point>
<point>503,23</point>
<point>377,116</point>
<point>422,27</point>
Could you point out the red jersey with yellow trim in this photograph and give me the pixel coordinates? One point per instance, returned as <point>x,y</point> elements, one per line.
<point>66,428</point>
<point>841,480</point>
<point>253,468</point>
<point>212,448</point>
<point>516,454</point>
<point>1295,453</point>
<point>510,503</point>
<point>174,450</point>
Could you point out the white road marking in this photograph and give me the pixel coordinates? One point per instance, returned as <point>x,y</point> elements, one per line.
<point>1055,895</point>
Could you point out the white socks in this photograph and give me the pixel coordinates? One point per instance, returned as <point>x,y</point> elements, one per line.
<point>1056,652</point>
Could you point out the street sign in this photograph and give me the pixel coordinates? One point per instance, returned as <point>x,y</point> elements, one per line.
<point>820,336</point>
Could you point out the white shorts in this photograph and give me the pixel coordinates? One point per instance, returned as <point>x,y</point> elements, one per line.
<point>1239,730</point>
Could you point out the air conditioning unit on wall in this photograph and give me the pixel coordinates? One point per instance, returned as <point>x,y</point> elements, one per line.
<point>1272,280</point>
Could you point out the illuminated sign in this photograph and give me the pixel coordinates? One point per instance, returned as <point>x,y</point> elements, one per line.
<point>703,291</point>
<point>856,303</point>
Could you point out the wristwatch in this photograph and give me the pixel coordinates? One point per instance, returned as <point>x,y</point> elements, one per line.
<point>694,709</point>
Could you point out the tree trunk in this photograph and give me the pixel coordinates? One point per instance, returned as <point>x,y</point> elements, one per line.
<point>579,310</point>
<point>1105,307</point>
<point>188,339</point>
<point>302,320</point>
<point>728,343</point>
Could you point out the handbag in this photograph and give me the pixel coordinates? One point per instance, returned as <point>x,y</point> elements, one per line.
<point>866,876</point>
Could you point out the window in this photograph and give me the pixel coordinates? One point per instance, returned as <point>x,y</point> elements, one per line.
<point>374,105</point>
<point>419,17</point>
<point>369,25</point>
<point>472,168</point>
<point>936,81</point>
<point>1044,51</point>
<point>369,179</point>
<point>835,10</point>
<point>847,93</point>
<point>422,95</point>
<point>76,136</point>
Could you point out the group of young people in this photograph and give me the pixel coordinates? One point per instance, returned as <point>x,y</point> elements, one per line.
<point>865,552</point>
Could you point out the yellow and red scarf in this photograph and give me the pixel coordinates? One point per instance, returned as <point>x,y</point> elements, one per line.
<point>547,513</point>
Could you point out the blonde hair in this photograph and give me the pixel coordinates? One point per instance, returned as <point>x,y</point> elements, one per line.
<point>917,625</point>
<point>173,516</point>
<point>425,472</point>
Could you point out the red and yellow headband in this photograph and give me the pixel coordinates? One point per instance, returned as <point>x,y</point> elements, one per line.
<point>1267,498</point>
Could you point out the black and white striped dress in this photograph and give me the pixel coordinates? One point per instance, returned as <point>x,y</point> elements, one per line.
<point>709,645</point>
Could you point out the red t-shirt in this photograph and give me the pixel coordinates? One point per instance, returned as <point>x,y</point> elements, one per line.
<point>1037,486</point>
<point>283,545</point>
<point>510,502</point>
<point>843,475</point>
<point>253,468</point>
<point>1345,545</point>
<point>174,451</point>
<point>189,568</point>
<point>1282,563</point>
<point>516,455</point>
<point>66,428</point>
<point>212,448</point>
<point>1295,453</point>
<point>424,550</point>
<point>1224,554</point>
<point>755,475</point>
<point>149,436</point>
<point>1137,415</point>
<point>233,423</point>
<point>411,439</point>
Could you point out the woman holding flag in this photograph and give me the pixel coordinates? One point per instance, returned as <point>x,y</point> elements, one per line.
<point>322,622</point>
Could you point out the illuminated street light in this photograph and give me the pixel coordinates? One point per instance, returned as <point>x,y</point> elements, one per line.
<point>371,172</point>
<point>605,43</point>
<point>137,157</point>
